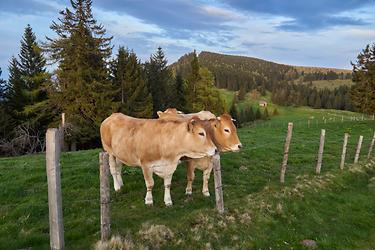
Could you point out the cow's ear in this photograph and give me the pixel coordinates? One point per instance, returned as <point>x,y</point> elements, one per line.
<point>191,124</point>
<point>160,113</point>
<point>214,122</point>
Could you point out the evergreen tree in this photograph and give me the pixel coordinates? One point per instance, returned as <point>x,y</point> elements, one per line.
<point>266,115</point>
<point>3,88</point>
<point>234,113</point>
<point>133,96</point>
<point>258,114</point>
<point>250,114</point>
<point>32,67</point>
<point>15,95</point>
<point>242,93</point>
<point>363,91</point>
<point>180,97</point>
<point>201,92</point>
<point>5,118</point>
<point>158,78</point>
<point>81,49</point>
<point>318,103</point>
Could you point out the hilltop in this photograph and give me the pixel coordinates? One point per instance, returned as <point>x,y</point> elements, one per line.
<point>233,72</point>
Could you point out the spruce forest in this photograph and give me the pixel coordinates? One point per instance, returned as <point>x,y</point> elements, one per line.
<point>93,79</point>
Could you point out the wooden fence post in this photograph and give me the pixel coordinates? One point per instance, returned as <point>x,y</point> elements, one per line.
<point>371,146</point>
<point>105,225</point>
<point>346,136</point>
<point>218,184</point>
<point>320,152</point>
<point>286,152</point>
<point>342,118</point>
<point>308,123</point>
<point>358,151</point>
<point>56,227</point>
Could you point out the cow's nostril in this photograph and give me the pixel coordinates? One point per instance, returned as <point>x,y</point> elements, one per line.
<point>216,151</point>
<point>239,145</point>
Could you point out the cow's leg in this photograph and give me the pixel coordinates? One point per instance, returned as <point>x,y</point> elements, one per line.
<point>113,170</point>
<point>206,177</point>
<point>169,170</point>
<point>149,180</point>
<point>118,170</point>
<point>190,177</point>
<point>167,190</point>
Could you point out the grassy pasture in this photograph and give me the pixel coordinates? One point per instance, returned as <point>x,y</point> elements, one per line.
<point>336,209</point>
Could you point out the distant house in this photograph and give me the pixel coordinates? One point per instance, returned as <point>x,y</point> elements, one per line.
<point>262,104</point>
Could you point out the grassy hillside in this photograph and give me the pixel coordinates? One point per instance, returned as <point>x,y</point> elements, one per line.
<point>331,84</point>
<point>335,209</point>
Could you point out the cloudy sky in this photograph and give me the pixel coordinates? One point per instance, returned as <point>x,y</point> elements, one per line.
<point>326,33</point>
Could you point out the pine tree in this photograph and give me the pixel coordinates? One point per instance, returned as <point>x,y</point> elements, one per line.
<point>318,103</point>
<point>158,78</point>
<point>234,113</point>
<point>81,49</point>
<point>363,91</point>
<point>242,93</point>
<point>3,88</point>
<point>5,118</point>
<point>180,97</point>
<point>266,115</point>
<point>15,96</point>
<point>258,114</point>
<point>250,114</point>
<point>201,93</point>
<point>133,96</point>
<point>32,67</point>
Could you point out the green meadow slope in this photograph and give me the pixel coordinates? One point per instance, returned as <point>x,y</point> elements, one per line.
<point>336,209</point>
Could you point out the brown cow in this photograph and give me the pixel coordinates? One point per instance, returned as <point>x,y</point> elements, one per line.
<point>154,145</point>
<point>225,137</point>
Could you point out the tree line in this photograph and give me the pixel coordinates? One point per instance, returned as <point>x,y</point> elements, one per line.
<point>89,84</point>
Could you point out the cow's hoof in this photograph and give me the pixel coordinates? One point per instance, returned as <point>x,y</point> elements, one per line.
<point>189,192</point>
<point>117,188</point>
<point>149,203</point>
<point>207,194</point>
<point>168,204</point>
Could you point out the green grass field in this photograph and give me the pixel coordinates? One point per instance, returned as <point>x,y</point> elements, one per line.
<point>336,209</point>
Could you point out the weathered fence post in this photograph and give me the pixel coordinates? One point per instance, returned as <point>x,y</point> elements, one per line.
<point>64,145</point>
<point>218,184</point>
<point>308,123</point>
<point>342,164</point>
<point>371,146</point>
<point>342,118</point>
<point>105,225</point>
<point>356,158</point>
<point>320,152</point>
<point>56,227</point>
<point>286,152</point>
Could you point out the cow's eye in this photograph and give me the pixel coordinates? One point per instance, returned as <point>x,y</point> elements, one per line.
<point>201,134</point>
<point>226,130</point>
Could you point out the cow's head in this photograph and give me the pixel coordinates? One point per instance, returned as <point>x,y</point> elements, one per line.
<point>199,139</point>
<point>225,134</point>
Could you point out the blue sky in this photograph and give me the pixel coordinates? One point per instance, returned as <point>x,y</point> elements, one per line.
<point>326,33</point>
